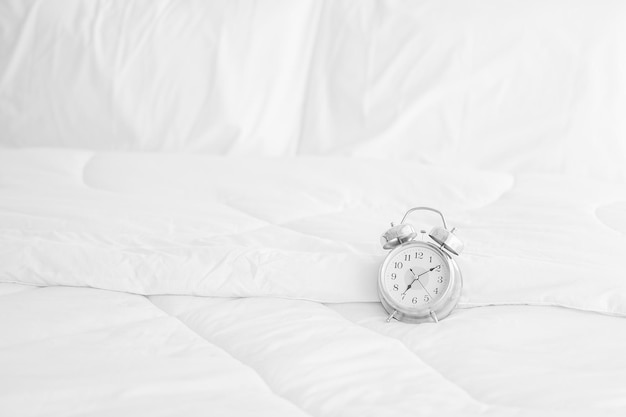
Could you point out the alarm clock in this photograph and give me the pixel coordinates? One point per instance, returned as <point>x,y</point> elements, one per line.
<point>419,280</point>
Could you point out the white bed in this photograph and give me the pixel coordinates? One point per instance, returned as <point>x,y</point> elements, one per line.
<point>192,195</point>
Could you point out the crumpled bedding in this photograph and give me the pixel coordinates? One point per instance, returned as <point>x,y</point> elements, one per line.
<point>236,273</point>
<point>513,86</point>
<point>245,292</point>
<point>303,228</point>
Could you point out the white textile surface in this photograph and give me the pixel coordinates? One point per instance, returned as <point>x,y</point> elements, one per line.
<point>536,85</point>
<point>304,228</point>
<point>192,192</point>
<point>87,352</point>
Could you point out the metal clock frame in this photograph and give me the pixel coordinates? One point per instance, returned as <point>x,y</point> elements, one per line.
<point>398,239</point>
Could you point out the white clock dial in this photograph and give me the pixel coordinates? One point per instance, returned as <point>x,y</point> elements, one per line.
<point>416,277</point>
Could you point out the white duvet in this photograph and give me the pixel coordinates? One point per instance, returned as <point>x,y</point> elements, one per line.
<point>78,351</point>
<point>266,282</point>
<point>192,194</point>
<point>300,228</point>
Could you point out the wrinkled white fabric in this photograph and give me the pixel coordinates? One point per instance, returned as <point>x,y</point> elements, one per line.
<point>233,270</point>
<point>518,86</point>
<point>303,228</point>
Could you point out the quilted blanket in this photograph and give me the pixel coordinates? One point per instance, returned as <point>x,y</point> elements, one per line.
<point>247,291</point>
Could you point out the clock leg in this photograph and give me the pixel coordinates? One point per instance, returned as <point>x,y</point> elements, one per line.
<point>434,316</point>
<point>391,315</point>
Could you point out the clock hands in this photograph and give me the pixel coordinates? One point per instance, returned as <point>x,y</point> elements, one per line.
<point>425,288</point>
<point>417,278</point>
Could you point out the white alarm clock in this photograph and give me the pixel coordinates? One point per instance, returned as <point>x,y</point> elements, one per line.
<point>420,281</point>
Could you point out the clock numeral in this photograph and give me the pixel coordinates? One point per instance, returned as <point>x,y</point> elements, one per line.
<point>430,259</point>
<point>440,280</point>
<point>398,265</point>
<point>438,268</point>
<point>436,290</point>
<point>394,276</point>
<point>403,295</point>
<point>414,300</point>
<point>419,255</point>
<point>395,287</point>
<point>426,298</point>
<point>407,257</point>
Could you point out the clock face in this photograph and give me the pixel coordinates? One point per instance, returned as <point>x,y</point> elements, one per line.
<point>416,277</point>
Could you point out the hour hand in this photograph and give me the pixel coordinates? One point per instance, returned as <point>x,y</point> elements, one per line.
<point>407,288</point>
<point>416,278</point>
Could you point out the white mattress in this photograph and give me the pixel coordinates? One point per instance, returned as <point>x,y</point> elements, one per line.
<point>256,291</point>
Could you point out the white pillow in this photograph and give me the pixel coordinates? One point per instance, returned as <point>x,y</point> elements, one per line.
<point>212,76</point>
<point>534,86</point>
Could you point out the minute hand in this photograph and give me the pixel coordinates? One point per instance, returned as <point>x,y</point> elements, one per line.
<point>418,280</point>
<point>431,269</point>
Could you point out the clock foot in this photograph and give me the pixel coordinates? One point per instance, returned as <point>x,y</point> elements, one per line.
<point>391,316</point>
<point>434,316</point>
